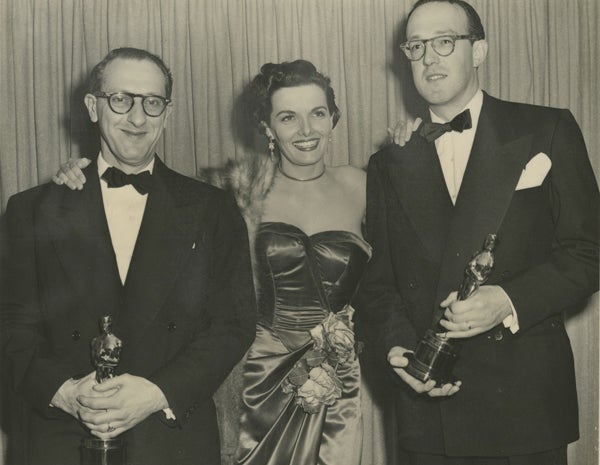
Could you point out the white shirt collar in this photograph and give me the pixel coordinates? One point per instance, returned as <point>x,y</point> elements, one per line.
<point>103,165</point>
<point>474,107</point>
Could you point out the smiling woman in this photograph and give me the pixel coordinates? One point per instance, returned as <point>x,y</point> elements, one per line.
<point>301,402</point>
<point>301,125</point>
<point>294,106</point>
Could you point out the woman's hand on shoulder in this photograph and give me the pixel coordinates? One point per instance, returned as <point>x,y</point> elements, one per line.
<point>403,131</point>
<point>70,173</point>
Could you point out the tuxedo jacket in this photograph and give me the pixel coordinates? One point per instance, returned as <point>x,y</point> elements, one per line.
<point>518,390</point>
<point>186,313</point>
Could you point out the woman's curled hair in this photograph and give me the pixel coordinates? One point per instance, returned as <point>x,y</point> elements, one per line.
<point>275,76</point>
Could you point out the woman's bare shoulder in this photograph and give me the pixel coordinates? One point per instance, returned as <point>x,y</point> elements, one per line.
<point>352,182</point>
<point>349,174</point>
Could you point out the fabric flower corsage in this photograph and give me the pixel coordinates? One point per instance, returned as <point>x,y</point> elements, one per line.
<point>313,379</point>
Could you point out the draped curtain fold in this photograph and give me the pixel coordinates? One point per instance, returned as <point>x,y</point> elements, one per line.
<point>541,51</point>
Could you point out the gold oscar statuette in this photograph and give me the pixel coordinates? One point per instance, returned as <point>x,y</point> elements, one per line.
<point>435,355</point>
<point>105,353</point>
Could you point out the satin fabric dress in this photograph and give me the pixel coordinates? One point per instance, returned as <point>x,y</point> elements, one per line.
<point>302,279</point>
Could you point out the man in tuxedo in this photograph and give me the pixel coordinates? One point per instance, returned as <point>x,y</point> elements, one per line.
<point>165,255</point>
<point>488,166</point>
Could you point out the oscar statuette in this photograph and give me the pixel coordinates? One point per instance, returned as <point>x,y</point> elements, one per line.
<point>436,354</point>
<point>106,352</point>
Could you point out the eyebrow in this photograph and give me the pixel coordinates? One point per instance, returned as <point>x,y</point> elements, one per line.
<point>145,94</point>
<point>323,107</point>
<point>435,34</point>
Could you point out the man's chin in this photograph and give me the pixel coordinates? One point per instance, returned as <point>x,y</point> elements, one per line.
<point>134,159</point>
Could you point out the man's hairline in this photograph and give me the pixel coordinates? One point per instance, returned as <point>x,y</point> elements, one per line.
<point>466,17</point>
<point>149,60</point>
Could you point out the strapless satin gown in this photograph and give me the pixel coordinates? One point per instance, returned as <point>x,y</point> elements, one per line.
<point>302,278</point>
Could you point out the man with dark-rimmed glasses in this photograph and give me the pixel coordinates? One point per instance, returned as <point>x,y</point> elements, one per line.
<point>166,256</point>
<point>479,165</point>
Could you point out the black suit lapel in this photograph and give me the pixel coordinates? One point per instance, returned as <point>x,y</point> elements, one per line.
<point>417,177</point>
<point>81,238</point>
<point>499,154</point>
<point>164,241</point>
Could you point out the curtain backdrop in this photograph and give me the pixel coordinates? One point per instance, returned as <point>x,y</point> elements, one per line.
<point>541,51</point>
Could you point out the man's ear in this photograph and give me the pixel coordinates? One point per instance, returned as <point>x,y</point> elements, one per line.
<point>480,48</point>
<point>168,112</point>
<point>90,102</point>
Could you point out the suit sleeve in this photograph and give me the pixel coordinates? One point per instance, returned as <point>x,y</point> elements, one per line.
<point>569,274</point>
<point>32,371</point>
<point>380,306</point>
<point>195,374</point>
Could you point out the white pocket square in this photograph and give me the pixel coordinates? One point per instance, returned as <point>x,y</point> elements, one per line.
<point>535,172</point>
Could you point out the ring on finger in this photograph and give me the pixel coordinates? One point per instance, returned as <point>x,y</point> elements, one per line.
<point>468,325</point>
<point>110,429</point>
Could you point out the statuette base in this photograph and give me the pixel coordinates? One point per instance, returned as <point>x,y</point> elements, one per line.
<point>434,358</point>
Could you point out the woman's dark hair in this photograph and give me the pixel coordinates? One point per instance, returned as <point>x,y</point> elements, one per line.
<point>96,78</point>
<point>275,76</point>
<point>473,19</point>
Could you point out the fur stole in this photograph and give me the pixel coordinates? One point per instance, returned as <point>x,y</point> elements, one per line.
<point>249,180</point>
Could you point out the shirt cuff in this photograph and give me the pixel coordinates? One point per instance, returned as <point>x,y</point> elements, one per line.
<point>511,321</point>
<point>169,414</point>
<point>60,390</point>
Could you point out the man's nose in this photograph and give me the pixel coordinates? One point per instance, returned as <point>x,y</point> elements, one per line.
<point>136,115</point>
<point>430,56</point>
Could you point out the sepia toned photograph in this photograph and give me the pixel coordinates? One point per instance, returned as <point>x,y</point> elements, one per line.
<point>299,232</point>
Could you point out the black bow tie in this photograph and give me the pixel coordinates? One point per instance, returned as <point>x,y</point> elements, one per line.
<point>431,131</point>
<point>142,182</point>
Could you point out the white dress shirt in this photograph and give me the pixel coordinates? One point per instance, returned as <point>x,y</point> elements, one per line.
<point>453,149</point>
<point>124,209</point>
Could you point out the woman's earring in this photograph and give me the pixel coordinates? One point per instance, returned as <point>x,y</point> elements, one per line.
<point>272,149</point>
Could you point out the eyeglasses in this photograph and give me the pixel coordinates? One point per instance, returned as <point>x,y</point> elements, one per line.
<point>442,45</point>
<point>122,102</point>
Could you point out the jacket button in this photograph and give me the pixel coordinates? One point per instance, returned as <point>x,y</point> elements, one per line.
<point>172,326</point>
<point>414,285</point>
<point>75,335</point>
<point>498,336</point>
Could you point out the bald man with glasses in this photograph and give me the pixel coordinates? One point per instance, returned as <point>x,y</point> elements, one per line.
<point>479,165</point>
<point>166,256</point>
